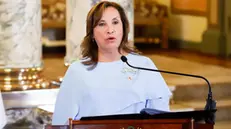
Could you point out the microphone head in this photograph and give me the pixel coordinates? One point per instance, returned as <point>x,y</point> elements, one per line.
<point>124,58</point>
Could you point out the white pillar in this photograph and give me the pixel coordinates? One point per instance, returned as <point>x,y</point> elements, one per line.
<point>76,24</point>
<point>20,44</point>
<point>20,33</point>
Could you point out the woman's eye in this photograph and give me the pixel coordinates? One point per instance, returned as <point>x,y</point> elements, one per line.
<point>115,22</point>
<point>101,24</point>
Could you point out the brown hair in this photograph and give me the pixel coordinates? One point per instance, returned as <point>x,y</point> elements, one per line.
<point>89,48</point>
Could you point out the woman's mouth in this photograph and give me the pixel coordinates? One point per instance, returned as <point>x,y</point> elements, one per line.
<point>111,39</point>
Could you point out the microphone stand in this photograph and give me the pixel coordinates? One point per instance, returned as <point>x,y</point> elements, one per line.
<point>210,103</point>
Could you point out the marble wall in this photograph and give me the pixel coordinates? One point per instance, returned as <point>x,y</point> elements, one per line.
<point>76,26</point>
<point>20,33</point>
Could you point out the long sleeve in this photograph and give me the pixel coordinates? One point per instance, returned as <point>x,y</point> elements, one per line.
<point>158,90</point>
<point>68,97</point>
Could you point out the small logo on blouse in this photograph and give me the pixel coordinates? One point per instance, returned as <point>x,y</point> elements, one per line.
<point>130,73</point>
<point>129,70</point>
<point>129,78</point>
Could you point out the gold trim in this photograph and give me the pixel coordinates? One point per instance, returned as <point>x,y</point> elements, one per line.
<point>210,23</point>
<point>189,11</point>
<point>12,70</point>
<point>14,79</point>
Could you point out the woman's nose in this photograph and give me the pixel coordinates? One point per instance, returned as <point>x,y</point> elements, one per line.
<point>110,30</point>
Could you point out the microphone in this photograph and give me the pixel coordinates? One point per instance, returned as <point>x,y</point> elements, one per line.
<point>210,103</point>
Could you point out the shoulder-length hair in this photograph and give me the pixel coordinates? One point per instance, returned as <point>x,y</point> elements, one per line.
<point>89,48</point>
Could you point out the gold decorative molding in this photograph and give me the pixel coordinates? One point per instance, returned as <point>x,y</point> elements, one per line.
<point>54,13</point>
<point>189,7</point>
<point>213,13</point>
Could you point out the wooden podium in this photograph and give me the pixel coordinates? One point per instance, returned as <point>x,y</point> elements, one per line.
<point>173,120</point>
<point>134,124</point>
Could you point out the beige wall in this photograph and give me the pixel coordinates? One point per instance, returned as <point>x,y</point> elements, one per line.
<point>185,27</point>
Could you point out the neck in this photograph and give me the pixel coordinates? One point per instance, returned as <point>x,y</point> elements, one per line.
<point>109,56</point>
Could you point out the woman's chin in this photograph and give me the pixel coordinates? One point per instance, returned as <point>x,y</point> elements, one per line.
<point>112,45</point>
<point>112,48</point>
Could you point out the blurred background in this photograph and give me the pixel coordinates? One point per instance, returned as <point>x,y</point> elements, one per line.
<point>40,38</point>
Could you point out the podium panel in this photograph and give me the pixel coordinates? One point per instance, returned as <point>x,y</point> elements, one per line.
<point>134,124</point>
<point>130,124</point>
<point>168,120</point>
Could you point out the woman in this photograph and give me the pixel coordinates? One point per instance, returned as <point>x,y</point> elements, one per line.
<point>100,83</point>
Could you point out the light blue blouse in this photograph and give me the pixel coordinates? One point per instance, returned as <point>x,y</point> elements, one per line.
<point>111,88</point>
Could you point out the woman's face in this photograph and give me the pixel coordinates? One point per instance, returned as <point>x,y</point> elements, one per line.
<point>108,32</point>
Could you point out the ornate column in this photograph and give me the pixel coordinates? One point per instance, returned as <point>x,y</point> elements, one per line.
<point>214,38</point>
<point>20,44</point>
<point>76,24</point>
